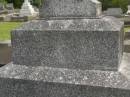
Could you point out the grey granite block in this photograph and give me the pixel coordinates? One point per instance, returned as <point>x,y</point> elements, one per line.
<point>73,52</point>
<point>28,81</point>
<point>28,88</point>
<point>70,8</point>
<point>74,43</point>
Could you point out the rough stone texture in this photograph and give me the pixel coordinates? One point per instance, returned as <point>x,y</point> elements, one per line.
<point>29,88</point>
<point>113,79</point>
<point>67,57</point>
<point>28,81</point>
<point>77,44</point>
<point>70,8</point>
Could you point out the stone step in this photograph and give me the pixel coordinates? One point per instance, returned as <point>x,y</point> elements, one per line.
<point>30,88</point>
<point>28,81</point>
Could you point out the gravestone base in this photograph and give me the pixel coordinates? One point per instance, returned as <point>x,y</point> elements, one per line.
<point>28,81</point>
<point>76,56</point>
<point>85,44</point>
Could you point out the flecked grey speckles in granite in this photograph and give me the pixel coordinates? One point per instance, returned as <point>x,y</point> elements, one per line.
<point>75,54</point>
<point>76,44</point>
<point>109,79</point>
<point>101,24</point>
<point>70,8</point>
<point>28,81</point>
<point>29,88</point>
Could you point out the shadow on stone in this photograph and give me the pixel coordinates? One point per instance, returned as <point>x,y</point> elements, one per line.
<point>5,53</point>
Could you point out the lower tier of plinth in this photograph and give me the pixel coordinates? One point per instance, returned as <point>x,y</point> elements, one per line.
<point>28,81</point>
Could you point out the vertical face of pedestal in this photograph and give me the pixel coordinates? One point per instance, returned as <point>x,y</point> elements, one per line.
<point>70,8</point>
<point>86,44</point>
<point>73,43</point>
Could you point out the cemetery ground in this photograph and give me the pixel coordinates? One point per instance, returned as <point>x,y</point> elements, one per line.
<point>6,27</point>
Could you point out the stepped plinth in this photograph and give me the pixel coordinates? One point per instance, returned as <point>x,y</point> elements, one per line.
<point>73,51</point>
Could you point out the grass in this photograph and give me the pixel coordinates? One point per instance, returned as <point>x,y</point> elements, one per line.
<point>6,27</point>
<point>126,29</point>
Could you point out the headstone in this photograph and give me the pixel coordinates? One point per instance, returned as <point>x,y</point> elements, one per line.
<point>70,52</point>
<point>27,9</point>
<point>10,8</point>
<point>2,9</point>
<point>116,12</point>
<point>2,6</point>
<point>128,12</point>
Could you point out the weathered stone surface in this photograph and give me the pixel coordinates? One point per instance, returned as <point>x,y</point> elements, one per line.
<point>70,8</point>
<point>29,88</point>
<point>28,81</point>
<point>77,44</point>
<point>110,79</point>
<point>74,56</point>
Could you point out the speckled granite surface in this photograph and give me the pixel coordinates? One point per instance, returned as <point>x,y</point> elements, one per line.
<point>29,88</point>
<point>68,56</point>
<point>105,23</point>
<point>73,43</point>
<point>70,8</point>
<point>28,81</point>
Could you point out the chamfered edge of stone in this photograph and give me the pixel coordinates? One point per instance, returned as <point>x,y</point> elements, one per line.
<point>104,24</point>
<point>66,76</point>
<point>30,88</point>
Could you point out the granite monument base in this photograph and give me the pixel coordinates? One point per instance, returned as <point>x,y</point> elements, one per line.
<point>28,81</point>
<point>94,44</point>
